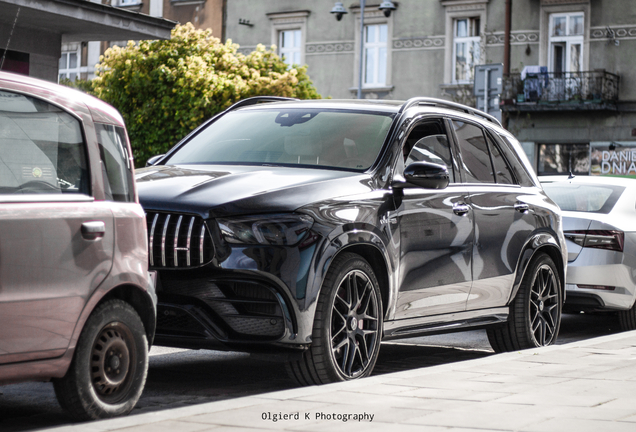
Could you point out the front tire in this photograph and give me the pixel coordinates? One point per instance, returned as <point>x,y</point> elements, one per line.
<point>347,326</point>
<point>535,313</point>
<point>109,367</point>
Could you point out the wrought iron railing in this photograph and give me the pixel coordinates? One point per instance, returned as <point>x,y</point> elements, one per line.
<point>595,87</point>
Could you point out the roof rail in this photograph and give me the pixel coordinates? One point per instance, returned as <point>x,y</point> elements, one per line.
<point>447,104</point>
<point>258,99</point>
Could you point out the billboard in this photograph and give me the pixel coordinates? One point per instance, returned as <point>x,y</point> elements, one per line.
<point>614,158</point>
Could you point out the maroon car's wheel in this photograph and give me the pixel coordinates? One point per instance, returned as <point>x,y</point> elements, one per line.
<point>109,367</point>
<point>347,326</point>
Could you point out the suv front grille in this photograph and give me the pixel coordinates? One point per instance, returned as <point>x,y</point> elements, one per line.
<point>178,241</point>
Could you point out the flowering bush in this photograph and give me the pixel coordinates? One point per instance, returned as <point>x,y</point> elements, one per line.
<point>166,88</point>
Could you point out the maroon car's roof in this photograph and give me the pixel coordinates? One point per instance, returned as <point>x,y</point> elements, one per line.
<point>66,97</point>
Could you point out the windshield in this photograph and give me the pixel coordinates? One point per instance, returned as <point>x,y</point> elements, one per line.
<point>583,197</point>
<point>311,137</point>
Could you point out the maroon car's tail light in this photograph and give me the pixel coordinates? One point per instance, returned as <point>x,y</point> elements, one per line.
<point>178,241</point>
<point>597,287</point>
<point>598,239</point>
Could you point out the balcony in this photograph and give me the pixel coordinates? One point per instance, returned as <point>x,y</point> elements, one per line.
<point>561,91</point>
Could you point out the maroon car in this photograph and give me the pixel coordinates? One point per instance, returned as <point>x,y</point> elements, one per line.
<point>77,303</point>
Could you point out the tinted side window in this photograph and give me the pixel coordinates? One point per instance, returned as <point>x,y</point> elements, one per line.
<point>475,155</point>
<point>516,161</point>
<point>428,142</point>
<point>116,167</point>
<point>42,149</point>
<point>503,175</point>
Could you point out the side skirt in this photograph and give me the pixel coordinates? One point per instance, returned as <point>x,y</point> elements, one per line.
<point>424,326</point>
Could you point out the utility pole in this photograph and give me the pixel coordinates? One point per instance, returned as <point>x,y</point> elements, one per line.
<point>506,62</point>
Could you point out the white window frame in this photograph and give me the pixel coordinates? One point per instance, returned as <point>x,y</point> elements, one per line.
<point>456,10</point>
<point>566,41</point>
<point>124,3</point>
<point>283,21</point>
<point>289,52</point>
<point>372,16</point>
<point>471,40</point>
<point>67,71</point>
<point>552,7</point>
<point>376,46</point>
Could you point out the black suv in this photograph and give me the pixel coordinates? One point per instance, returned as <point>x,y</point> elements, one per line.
<point>319,228</point>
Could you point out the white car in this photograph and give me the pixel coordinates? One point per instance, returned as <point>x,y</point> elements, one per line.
<point>599,223</point>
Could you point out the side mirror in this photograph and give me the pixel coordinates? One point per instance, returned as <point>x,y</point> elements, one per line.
<point>153,160</point>
<point>426,175</point>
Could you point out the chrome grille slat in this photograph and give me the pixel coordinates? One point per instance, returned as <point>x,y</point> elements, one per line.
<point>179,247</point>
<point>152,235</point>
<point>176,241</point>
<point>201,244</point>
<point>189,238</point>
<point>163,241</point>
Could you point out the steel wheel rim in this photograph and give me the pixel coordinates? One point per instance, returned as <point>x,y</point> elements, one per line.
<point>113,362</point>
<point>354,324</point>
<point>544,306</point>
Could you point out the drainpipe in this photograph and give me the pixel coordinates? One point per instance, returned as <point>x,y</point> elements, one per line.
<point>506,62</point>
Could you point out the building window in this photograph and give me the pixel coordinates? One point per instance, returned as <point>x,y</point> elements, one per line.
<point>289,30</point>
<point>566,42</point>
<point>69,67</point>
<point>564,159</point>
<point>466,38</point>
<point>375,39</point>
<point>289,46</point>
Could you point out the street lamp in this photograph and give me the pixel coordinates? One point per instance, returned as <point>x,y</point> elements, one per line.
<point>387,7</point>
<point>339,10</point>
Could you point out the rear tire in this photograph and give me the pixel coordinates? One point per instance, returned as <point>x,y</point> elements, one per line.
<point>347,326</point>
<point>109,367</point>
<point>535,313</point>
<point>627,319</point>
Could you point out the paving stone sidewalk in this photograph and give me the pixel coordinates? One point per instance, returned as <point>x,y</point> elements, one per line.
<point>583,386</point>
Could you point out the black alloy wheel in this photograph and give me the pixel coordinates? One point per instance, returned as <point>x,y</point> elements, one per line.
<point>544,306</point>
<point>535,313</point>
<point>354,324</point>
<point>347,326</point>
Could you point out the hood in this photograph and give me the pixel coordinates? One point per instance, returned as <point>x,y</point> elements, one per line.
<point>223,190</point>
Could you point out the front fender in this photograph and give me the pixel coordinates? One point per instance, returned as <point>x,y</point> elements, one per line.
<point>365,243</point>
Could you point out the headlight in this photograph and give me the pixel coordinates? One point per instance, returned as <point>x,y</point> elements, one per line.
<point>276,229</point>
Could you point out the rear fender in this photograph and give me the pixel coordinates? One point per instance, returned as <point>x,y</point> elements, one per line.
<point>546,242</point>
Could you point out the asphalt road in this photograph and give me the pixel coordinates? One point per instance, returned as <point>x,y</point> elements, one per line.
<point>184,377</point>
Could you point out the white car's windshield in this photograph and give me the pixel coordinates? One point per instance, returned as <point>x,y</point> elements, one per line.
<point>310,137</point>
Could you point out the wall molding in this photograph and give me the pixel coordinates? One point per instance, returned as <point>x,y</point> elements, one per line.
<point>318,48</point>
<point>418,43</point>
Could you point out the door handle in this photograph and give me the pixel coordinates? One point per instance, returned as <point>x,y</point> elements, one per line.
<point>92,230</point>
<point>461,209</point>
<point>522,207</point>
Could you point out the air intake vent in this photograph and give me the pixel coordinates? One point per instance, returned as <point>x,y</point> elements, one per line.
<point>178,241</point>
